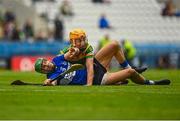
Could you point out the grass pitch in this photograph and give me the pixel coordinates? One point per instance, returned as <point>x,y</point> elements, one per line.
<point>95,102</point>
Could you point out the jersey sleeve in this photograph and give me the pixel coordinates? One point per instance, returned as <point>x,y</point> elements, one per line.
<point>56,60</point>
<point>59,58</point>
<point>65,50</point>
<point>89,52</point>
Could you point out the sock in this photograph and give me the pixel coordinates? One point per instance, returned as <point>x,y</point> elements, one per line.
<point>125,64</point>
<point>149,82</point>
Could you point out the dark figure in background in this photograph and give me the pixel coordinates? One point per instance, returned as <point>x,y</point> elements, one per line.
<point>97,1</point>
<point>9,16</point>
<point>104,22</point>
<point>17,34</point>
<point>28,29</point>
<point>66,8</point>
<point>163,62</point>
<point>170,9</point>
<point>9,24</point>
<point>59,29</point>
<point>101,1</point>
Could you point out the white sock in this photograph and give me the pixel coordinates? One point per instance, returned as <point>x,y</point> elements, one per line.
<point>128,66</point>
<point>151,82</point>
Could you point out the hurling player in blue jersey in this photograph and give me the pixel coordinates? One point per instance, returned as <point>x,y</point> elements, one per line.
<point>61,63</point>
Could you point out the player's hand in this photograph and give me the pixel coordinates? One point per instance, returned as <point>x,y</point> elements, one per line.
<point>74,51</point>
<point>88,85</point>
<point>47,82</point>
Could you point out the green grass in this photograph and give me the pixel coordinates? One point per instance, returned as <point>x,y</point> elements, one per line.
<point>95,102</point>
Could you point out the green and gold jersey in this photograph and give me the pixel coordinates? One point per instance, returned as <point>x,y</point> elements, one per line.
<point>85,53</point>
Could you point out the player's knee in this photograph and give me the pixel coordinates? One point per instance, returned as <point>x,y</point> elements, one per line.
<point>131,71</point>
<point>115,44</point>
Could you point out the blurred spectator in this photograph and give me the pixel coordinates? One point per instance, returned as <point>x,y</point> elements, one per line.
<point>43,0</point>
<point>59,29</point>
<point>173,60</point>
<point>28,29</point>
<point>66,8</point>
<point>50,36</point>
<point>41,36</point>
<point>98,1</point>
<point>9,25</point>
<point>17,34</point>
<point>1,31</point>
<point>1,16</point>
<point>8,30</point>
<point>101,1</point>
<point>163,62</point>
<point>170,9</point>
<point>44,15</point>
<point>129,51</point>
<point>103,41</point>
<point>104,22</point>
<point>9,16</point>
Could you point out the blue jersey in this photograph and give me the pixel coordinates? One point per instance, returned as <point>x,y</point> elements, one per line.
<point>78,77</point>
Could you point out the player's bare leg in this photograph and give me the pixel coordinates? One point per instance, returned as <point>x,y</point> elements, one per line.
<point>120,76</point>
<point>105,55</point>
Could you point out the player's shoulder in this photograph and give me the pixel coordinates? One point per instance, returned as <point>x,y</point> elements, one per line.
<point>89,49</point>
<point>65,50</point>
<point>58,58</point>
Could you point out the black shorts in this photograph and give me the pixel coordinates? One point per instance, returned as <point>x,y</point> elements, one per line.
<point>99,72</point>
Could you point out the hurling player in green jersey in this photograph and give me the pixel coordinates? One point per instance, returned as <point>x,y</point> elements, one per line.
<point>85,56</point>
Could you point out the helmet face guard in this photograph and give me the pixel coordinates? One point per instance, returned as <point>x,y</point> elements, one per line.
<point>44,66</point>
<point>38,65</point>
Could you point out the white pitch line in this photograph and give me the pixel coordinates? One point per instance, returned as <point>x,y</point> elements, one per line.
<point>6,90</point>
<point>85,91</point>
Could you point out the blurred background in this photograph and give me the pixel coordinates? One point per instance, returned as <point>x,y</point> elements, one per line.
<point>148,30</point>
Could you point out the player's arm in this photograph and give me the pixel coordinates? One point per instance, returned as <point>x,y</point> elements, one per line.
<point>73,52</point>
<point>47,82</point>
<point>89,65</point>
<point>90,71</point>
<point>69,49</point>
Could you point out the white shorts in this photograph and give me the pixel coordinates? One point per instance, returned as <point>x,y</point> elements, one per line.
<point>104,79</point>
